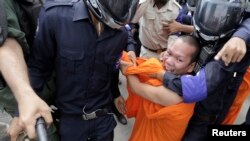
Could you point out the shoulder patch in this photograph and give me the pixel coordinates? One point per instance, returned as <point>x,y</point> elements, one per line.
<point>55,3</point>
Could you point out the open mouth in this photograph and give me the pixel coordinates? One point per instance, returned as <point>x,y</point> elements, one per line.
<point>168,68</point>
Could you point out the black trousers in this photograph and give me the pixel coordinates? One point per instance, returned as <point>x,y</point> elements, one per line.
<point>76,129</point>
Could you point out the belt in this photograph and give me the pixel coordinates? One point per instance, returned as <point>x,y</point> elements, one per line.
<point>89,116</point>
<point>156,51</point>
<point>95,114</point>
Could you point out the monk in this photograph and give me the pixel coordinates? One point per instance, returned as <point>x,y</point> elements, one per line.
<point>160,114</point>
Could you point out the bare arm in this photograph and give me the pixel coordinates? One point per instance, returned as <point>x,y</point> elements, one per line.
<point>159,95</point>
<point>174,27</point>
<point>13,67</point>
<point>14,71</point>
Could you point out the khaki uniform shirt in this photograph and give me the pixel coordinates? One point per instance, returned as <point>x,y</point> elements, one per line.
<point>14,15</point>
<point>13,11</point>
<point>150,18</point>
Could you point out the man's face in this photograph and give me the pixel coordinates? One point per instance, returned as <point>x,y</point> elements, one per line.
<point>162,1</point>
<point>178,57</point>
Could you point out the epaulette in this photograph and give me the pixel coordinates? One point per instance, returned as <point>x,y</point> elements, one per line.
<point>178,5</point>
<point>54,3</point>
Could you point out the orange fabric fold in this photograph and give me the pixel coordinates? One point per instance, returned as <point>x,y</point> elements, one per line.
<point>154,122</point>
<point>241,96</point>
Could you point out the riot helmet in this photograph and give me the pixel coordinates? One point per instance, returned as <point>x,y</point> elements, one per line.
<point>214,19</point>
<point>191,5</point>
<point>113,13</point>
<point>248,6</point>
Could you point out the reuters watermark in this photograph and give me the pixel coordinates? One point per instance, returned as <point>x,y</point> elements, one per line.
<point>241,132</point>
<point>217,132</point>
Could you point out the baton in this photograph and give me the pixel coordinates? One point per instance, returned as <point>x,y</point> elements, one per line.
<point>41,129</point>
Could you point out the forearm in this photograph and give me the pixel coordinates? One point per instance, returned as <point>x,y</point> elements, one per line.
<point>186,28</point>
<point>14,69</point>
<point>159,95</point>
<point>131,42</point>
<point>243,31</point>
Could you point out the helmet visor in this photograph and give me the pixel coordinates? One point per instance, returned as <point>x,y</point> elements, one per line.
<point>122,11</point>
<point>216,17</point>
<point>114,13</point>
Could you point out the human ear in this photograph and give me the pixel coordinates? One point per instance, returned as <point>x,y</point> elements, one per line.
<point>191,67</point>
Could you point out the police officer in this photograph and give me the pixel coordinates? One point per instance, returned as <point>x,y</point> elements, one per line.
<point>217,80</point>
<point>14,71</point>
<point>82,40</point>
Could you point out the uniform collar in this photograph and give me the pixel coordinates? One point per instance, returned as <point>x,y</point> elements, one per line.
<point>81,10</point>
<point>169,6</point>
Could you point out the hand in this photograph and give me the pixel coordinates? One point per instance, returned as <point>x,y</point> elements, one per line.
<point>172,26</point>
<point>233,51</point>
<point>133,31</point>
<point>158,75</point>
<point>120,104</point>
<point>32,107</point>
<point>132,57</point>
<point>124,65</point>
<point>161,57</point>
<point>15,129</point>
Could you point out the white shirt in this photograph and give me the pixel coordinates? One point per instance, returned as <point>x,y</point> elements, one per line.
<point>150,18</point>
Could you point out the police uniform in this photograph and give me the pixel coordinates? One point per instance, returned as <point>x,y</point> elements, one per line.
<point>67,41</point>
<point>153,37</point>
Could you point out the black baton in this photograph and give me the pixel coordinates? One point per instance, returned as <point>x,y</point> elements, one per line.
<point>41,129</point>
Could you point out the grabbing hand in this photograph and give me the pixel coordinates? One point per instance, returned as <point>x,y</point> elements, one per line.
<point>172,27</point>
<point>124,65</point>
<point>132,57</point>
<point>31,107</point>
<point>233,51</point>
<point>15,129</point>
<point>120,104</point>
<point>161,57</point>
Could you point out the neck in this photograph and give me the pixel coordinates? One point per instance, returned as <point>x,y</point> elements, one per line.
<point>98,24</point>
<point>160,3</point>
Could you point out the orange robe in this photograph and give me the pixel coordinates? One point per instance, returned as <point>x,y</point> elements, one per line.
<point>154,122</point>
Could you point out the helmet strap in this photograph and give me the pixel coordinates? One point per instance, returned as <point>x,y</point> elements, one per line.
<point>99,26</point>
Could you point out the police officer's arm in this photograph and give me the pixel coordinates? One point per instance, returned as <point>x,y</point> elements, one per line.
<point>42,57</point>
<point>14,71</point>
<point>131,44</point>
<point>118,99</point>
<point>159,95</point>
<point>235,49</point>
<point>130,48</point>
<point>174,27</point>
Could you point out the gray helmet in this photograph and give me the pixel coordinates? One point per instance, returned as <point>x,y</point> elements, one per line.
<point>248,6</point>
<point>114,13</point>
<point>215,19</point>
<point>191,5</point>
